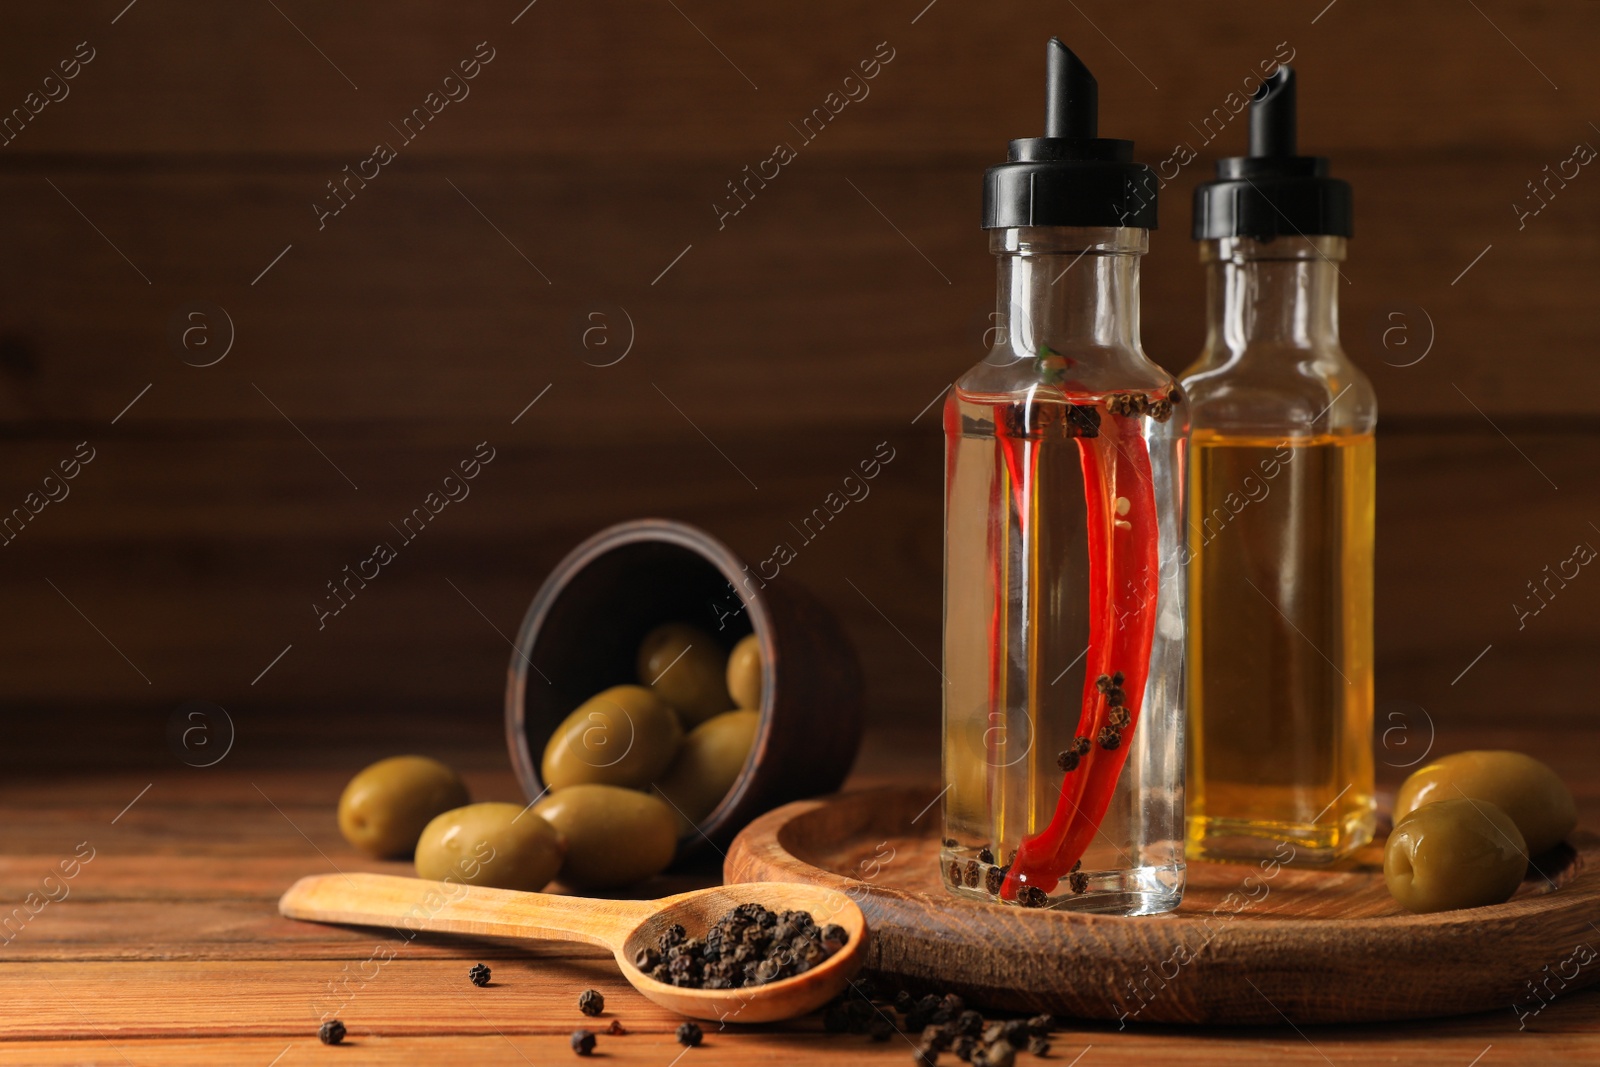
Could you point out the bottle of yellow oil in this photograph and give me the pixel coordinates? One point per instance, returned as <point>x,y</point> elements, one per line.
<point>1280,523</point>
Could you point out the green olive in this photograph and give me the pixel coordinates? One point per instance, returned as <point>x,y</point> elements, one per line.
<point>1536,799</point>
<point>707,766</point>
<point>687,668</point>
<point>1454,854</point>
<point>499,845</point>
<point>744,672</point>
<point>615,837</point>
<point>384,808</point>
<point>624,736</point>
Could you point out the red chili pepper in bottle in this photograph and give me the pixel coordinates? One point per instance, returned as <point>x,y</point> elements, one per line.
<point>1123,543</point>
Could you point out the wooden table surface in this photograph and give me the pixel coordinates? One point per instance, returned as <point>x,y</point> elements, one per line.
<point>166,947</point>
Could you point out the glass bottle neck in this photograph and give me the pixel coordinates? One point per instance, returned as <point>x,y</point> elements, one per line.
<point>1277,294</point>
<point>1069,288</point>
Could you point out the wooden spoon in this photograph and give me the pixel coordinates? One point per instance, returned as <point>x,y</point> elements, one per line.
<point>623,926</point>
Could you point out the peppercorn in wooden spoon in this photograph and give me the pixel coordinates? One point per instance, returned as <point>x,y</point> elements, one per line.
<point>776,949</point>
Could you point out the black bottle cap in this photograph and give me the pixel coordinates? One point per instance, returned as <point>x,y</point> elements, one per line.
<point>1070,176</point>
<point>1272,192</point>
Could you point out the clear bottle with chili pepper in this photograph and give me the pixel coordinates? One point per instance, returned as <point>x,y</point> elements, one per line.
<point>1064,590</point>
<point>1282,514</point>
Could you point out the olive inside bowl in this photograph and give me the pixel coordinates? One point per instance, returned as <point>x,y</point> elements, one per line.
<point>581,635</point>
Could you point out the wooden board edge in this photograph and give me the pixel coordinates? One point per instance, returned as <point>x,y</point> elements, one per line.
<point>1306,976</point>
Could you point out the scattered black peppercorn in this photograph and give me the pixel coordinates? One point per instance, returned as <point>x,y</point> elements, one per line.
<point>331,1032</point>
<point>689,1035</point>
<point>616,1029</point>
<point>950,842</point>
<point>1117,678</point>
<point>1001,1054</point>
<point>993,880</point>
<point>591,1002</point>
<point>940,1024</point>
<point>1103,682</point>
<point>1109,737</point>
<point>985,855</point>
<point>646,959</point>
<point>583,1042</point>
<point>861,1015</point>
<point>1081,745</point>
<point>955,873</point>
<point>1067,761</point>
<point>1078,881</point>
<point>972,874</point>
<point>1119,717</point>
<point>671,936</point>
<point>479,974</point>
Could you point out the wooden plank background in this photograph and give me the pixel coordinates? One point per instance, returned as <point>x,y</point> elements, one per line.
<point>579,176</point>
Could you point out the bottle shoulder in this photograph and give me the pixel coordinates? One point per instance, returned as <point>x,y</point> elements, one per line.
<point>1079,374</point>
<point>1050,395</point>
<point>1290,390</point>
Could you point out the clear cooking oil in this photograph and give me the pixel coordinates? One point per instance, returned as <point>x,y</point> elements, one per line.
<point>1281,515</point>
<point>1023,647</point>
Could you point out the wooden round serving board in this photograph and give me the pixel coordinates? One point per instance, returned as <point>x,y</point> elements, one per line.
<point>1303,945</point>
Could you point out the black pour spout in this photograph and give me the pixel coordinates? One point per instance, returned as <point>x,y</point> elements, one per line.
<point>1072,96</point>
<point>1272,116</point>
<point>1274,191</point>
<point>1071,176</point>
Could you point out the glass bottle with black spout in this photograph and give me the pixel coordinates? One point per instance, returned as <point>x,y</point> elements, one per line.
<point>1064,617</point>
<point>1281,516</point>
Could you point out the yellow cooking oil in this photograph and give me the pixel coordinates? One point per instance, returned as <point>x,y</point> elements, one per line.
<point>1280,646</point>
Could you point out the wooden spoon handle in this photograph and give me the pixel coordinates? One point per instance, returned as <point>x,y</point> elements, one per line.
<point>408,905</point>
